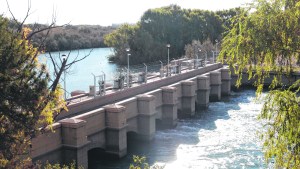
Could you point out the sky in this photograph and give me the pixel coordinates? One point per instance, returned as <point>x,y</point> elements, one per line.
<point>101,12</point>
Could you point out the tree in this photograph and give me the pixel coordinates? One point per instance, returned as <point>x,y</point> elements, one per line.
<point>161,26</point>
<point>25,100</point>
<point>29,102</point>
<point>265,38</point>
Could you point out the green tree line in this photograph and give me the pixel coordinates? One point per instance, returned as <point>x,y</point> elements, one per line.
<point>70,37</point>
<point>172,25</point>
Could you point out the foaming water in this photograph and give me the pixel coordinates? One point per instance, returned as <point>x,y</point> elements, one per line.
<point>223,136</point>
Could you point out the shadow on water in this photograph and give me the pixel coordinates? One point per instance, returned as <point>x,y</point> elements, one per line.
<point>164,147</point>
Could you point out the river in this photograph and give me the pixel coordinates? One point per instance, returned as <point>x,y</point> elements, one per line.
<point>223,136</point>
<point>79,76</point>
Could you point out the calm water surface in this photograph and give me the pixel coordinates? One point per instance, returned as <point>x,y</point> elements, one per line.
<point>224,136</point>
<point>80,74</point>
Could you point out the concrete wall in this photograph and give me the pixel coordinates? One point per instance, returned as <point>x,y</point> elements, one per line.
<point>286,80</point>
<point>48,144</point>
<point>99,101</point>
<point>106,126</point>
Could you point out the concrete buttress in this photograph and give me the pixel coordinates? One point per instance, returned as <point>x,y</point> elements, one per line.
<point>188,89</point>
<point>146,117</point>
<point>169,107</point>
<point>74,140</point>
<point>203,91</point>
<point>116,138</point>
<point>215,85</point>
<point>226,81</point>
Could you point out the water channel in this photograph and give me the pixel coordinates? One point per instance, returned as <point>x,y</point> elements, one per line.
<point>223,136</point>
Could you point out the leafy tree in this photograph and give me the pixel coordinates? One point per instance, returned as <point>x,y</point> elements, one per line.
<point>70,37</point>
<point>161,26</point>
<point>265,38</point>
<point>119,39</point>
<point>26,101</point>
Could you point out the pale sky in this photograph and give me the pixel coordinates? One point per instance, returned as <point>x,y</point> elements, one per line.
<point>102,12</point>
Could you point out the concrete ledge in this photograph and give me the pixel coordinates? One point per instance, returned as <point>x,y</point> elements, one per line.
<point>75,147</point>
<point>145,97</point>
<point>114,108</point>
<point>72,123</point>
<point>168,89</point>
<point>188,83</point>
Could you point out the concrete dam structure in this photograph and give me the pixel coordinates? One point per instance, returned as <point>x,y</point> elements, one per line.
<point>104,121</point>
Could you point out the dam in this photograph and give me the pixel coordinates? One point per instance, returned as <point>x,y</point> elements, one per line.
<point>103,121</point>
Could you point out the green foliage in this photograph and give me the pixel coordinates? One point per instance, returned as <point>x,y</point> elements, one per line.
<point>26,103</point>
<point>264,38</point>
<point>167,25</point>
<point>71,37</point>
<point>282,139</point>
<point>263,41</point>
<point>58,166</point>
<point>139,163</point>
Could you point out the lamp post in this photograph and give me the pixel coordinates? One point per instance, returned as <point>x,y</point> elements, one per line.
<point>168,46</point>
<point>213,56</point>
<point>128,54</point>
<point>217,42</point>
<point>197,58</point>
<point>64,57</point>
<point>205,57</point>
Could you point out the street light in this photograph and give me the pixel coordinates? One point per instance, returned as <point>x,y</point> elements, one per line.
<point>217,42</point>
<point>197,58</point>
<point>64,57</point>
<point>128,54</point>
<point>168,46</point>
<point>213,56</point>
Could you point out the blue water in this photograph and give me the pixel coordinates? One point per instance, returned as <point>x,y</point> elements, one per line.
<point>223,136</point>
<point>80,76</point>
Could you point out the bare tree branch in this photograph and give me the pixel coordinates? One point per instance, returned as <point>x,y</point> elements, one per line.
<point>74,61</point>
<point>53,63</point>
<point>44,29</point>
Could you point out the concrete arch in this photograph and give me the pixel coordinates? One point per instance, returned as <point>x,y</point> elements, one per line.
<point>95,155</point>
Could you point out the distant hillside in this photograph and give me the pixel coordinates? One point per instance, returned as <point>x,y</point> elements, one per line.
<point>72,36</point>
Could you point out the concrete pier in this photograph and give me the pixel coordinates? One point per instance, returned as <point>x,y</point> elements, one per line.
<point>105,122</point>
<point>226,81</point>
<point>116,138</point>
<point>215,86</point>
<point>169,107</point>
<point>188,98</point>
<point>203,91</point>
<point>146,119</point>
<point>74,141</point>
